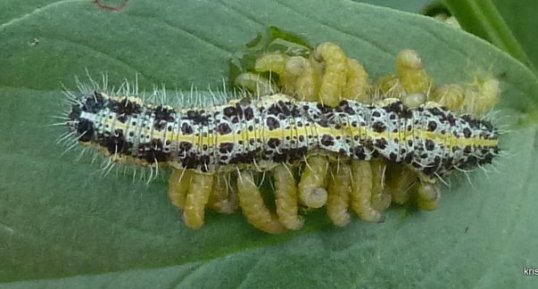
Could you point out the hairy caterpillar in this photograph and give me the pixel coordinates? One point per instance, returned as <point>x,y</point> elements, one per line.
<point>260,133</point>
<point>324,121</point>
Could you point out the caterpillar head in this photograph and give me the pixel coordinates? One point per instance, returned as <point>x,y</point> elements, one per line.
<point>83,115</point>
<point>112,124</point>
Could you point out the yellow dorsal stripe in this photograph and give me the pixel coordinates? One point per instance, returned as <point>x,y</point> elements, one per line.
<point>212,139</point>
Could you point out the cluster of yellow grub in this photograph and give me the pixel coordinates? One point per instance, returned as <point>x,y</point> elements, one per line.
<point>367,188</point>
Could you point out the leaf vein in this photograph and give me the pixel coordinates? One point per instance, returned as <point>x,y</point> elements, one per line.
<point>35,12</point>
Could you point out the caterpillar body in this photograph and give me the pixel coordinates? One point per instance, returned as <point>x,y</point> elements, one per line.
<point>328,137</point>
<point>260,133</point>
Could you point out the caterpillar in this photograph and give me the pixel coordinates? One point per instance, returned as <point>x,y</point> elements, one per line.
<point>341,143</point>
<point>259,133</point>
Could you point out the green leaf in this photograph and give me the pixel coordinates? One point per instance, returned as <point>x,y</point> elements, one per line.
<point>520,17</point>
<point>62,224</point>
<point>415,6</point>
<point>484,20</point>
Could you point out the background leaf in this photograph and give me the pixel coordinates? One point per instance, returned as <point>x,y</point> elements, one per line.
<point>483,19</point>
<point>64,225</point>
<point>520,17</point>
<point>415,6</point>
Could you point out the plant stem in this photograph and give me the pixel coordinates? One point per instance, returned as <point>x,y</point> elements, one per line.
<point>481,17</point>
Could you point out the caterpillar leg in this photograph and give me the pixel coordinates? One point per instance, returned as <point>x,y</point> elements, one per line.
<point>355,86</point>
<point>411,73</point>
<point>275,62</point>
<point>450,95</point>
<point>361,192</point>
<point>286,198</point>
<point>396,185</point>
<point>475,98</point>
<point>178,187</point>
<point>281,64</point>
<point>307,73</point>
<point>197,197</point>
<point>343,77</point>
<point>223,198</point>
<point>327,76</point>
<point>253,207</point>
<point>358,85</point>
<point>256,83</point>
<point>339,193</point>
<point>400,182</point>
<point>381,199</point>
<point>411,84</point>
<point>312,192</point>
<point>414,86</point>
<point>482,95</point>
<point>334,78</point>
<point>298,75</point>
<point>428,194</point>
